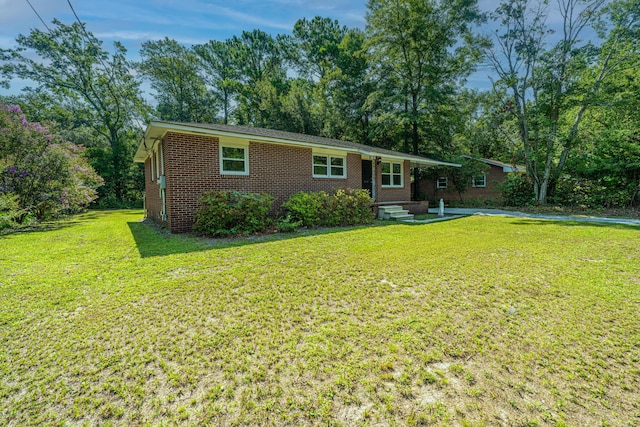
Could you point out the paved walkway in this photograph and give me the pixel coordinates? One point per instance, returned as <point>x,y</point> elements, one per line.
<point>453,213</point>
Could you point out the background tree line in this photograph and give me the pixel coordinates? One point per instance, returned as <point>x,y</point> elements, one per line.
<point>564,101</point>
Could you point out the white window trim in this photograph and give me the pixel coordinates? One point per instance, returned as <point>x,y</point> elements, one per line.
<point>245,147</point>
<point>329,157</point>
<point>156,155</point>
<point>446,182</point>
<point>473,181</point>
<point>151,157</point>
<point>391,174</point>
<point>161,158</point>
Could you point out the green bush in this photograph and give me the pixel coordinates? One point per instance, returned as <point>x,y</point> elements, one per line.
<point>288,224</point>
<point>306,208</point>
<point>9,211</point>
<point>517,190</point>
<point>585,193</point>
<point>342,207</point>
<point>229,213</point>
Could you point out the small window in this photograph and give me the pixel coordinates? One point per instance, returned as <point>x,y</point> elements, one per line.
<point>234,160</point>
<point>391,174</point>
<point>443,182</point>
<point>151,158</point>
<point>328,167</point>
<point>479,181</point>
<point>157,165</point>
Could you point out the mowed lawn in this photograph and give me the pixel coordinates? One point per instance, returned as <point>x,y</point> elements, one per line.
<point>476,321</point>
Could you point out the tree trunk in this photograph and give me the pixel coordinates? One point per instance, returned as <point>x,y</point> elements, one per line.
<point>415,136</point>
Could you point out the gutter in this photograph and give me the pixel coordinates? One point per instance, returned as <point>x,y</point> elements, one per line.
<point>372,153</point>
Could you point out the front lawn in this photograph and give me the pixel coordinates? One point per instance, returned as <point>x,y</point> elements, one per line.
<point>475,321</point>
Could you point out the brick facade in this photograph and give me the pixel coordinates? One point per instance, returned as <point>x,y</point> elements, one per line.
<point>495,176</point>
<point>192,168</point>
<point>394,194</point>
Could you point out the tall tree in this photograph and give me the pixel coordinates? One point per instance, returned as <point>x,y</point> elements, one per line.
<point>263,78</point>
<point>221,72</point>
<point>549,99</point>
<point>607,162</point>
<point>421,49</point>
<point>333,60</point>
<point>70,63</point>
<point>174,72</point>
<point>317,46</point>
<point>348,90</point>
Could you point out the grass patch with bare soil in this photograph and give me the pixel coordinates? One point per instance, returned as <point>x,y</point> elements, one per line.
<point>477,321</point>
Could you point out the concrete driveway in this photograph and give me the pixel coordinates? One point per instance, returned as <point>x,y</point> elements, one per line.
<point>515,214</point>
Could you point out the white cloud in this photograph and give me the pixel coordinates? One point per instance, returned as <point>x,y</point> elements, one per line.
<point>226,12</point>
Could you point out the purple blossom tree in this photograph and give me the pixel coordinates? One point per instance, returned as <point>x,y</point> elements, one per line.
<point>40,174</point>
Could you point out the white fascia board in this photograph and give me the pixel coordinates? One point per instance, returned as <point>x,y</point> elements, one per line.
<point>212,132</point>
<point>203,131</point>
<point>145,149</point>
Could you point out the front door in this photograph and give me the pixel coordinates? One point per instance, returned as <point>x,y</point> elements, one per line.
<point>367,176</point>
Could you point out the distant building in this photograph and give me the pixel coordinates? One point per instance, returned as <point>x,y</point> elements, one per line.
<point>482,187</point>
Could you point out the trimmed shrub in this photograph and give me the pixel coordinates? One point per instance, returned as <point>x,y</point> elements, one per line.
<point>229,213</point>
<point>288,225</point>
<point>307,208</point>
<point>342,207</point>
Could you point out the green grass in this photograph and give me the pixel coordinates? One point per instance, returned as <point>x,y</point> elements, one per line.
<point>476,321</point>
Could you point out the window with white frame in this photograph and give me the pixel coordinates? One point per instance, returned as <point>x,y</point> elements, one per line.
<point>157,164</point>
<point>391,174</point>
<point>234,160</point>
<point>443,182</point>
<point>151,158</point>
<point>326,166</point>
<point>479,181</point>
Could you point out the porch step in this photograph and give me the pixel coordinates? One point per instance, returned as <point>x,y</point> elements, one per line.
<point>404,217</point>
<point>394,212</point>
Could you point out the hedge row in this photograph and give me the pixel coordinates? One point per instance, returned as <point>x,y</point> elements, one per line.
<point>227,213</point>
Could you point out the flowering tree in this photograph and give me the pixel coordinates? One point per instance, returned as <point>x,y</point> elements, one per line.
<point>41,176</point>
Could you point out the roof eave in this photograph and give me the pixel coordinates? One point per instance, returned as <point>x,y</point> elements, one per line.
<point>156,129</point>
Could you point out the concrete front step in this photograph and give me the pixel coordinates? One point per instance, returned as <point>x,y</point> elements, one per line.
<point>401,217</point>
<point>393,212</point>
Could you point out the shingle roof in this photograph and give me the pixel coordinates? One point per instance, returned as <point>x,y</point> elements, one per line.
<point>263,133</point>
<point>505,166</point>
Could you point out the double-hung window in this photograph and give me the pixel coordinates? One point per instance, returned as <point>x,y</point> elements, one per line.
<point>442,182</point>
<point>326,166</point>
<point>234,160</point>
<point>391,174</point>
<point>479,181</point>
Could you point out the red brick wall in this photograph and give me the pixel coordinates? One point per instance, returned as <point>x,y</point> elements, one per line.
<point>494,174</point>
<point>192,167</point>
<point>394,194</point>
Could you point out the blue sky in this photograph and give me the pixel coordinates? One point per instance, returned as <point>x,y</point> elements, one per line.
<point>188,21</point>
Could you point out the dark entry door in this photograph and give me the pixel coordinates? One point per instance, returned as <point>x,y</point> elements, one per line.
<point>367,169</point>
